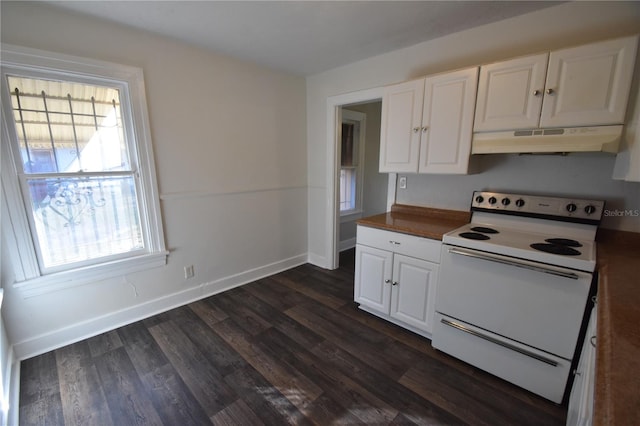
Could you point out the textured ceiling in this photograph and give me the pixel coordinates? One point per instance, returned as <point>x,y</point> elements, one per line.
<point>303,37</point>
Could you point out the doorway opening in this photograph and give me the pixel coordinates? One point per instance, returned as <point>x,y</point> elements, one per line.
<point>362,190</point>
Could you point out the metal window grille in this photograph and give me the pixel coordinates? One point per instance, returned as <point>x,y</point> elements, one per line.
<point>77,179</point>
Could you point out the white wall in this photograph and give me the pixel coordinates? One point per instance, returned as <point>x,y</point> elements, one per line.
<point>560,26</point>
<point>229,141</point>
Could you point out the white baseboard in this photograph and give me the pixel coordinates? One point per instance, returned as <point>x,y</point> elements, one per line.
<point>80,331</point>
<point>347,244</point>
<point>317,260</point>
<point>11,417</point>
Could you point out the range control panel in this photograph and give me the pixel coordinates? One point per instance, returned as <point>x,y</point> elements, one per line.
<point>534,205</point>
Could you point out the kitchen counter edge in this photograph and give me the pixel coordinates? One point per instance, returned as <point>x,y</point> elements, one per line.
<point>617,397</point>
<point>420,221</point>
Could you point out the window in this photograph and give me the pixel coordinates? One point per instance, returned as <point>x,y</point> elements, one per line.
<point>80,181</point>
<point>351,158</point>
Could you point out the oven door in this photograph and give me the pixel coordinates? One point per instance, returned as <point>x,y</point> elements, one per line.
<point>534,304</point>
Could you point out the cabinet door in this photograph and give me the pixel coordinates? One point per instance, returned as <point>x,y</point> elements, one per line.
<point>373,268</point>
<point>510,94</point>
<point>447,122</point>
<point>413,291</point>
<point>589,84</point>
<point>400,127</point>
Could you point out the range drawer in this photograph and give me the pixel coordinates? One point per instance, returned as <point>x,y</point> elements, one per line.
<point>537,371</point>
<point>409,245</point>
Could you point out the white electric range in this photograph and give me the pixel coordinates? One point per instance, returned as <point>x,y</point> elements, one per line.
<point>514,287</point>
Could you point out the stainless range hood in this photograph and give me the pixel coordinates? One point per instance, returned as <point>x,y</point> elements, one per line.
<point>573,139</point>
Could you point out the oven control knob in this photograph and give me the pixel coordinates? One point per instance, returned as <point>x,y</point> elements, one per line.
<point>506,201</point>
<point>571,207</point>
<point>519,202</point>
<point>589,209</point>
<point>492,200</point>
<point>479,199</point>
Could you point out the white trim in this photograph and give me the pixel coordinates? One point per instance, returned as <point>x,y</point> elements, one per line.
<point>83,330</point>
<point>391,190</point>
<point>90,274</point>
<point>347,244</point>
<point>350,216</point>
<point>360,119</point>
<point>130,80</point>
<point>175,196</point>
<point>332,211</point>
<point>13,393</point>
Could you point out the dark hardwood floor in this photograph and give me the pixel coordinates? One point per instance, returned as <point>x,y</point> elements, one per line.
<point>289,349</point>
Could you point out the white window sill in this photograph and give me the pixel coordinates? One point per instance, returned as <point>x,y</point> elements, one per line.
<point>77,277</point>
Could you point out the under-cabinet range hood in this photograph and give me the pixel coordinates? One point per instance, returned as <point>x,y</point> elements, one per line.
<point>573,139</point>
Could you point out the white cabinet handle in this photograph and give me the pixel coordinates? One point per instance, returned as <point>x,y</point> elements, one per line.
<point>550,91</point>
<point>536,93</point>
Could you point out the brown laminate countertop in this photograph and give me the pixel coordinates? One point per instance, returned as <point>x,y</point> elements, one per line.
<point>421,221</point>
<point>617,385</point>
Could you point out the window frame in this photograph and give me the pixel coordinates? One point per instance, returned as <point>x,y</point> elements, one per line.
<point>28,275</point>
<point>359,119</point>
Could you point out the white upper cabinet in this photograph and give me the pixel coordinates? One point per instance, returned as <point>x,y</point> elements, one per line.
<point>427,124</point>
<point>589,85</point>
<point>510,94</point>
<point>447,122</point>
<point>582,86</point>
<point>400,127</point>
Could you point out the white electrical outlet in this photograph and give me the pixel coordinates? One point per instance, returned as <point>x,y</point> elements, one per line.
<point>403,182</point>
<point>189,272</point>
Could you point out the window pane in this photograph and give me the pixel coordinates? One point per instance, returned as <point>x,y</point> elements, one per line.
<point>79,219</point>
<point>347,147</point>
<point>80,125</point>
<point>347,189</point>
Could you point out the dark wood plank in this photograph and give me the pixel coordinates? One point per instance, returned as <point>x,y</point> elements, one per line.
<point>128,401</point>
<point>351,336</point>
<point>346,392</point>
<point>46,410</point>
<point>83,400</point>
<point>235,414</point>
<point>172,399</point>
<point>281,376</point>
<point>103,343</point>
<point>277,318</point>
<point>143,350</point>
<point>39,379</point>
<point>264,399</point>
<point>208,312</point>
<point>201,377</point>
<point>243,316</point>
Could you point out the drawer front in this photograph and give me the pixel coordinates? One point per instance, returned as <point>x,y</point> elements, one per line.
<point>409,245</point>
<point>510,360</point>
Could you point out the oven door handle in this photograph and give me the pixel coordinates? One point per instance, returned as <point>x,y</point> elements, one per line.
<point>491,258</point>
<point>499,342</point>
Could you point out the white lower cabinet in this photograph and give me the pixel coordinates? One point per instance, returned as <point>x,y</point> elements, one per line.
<point>396,276</point>
<point>580,411</point>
